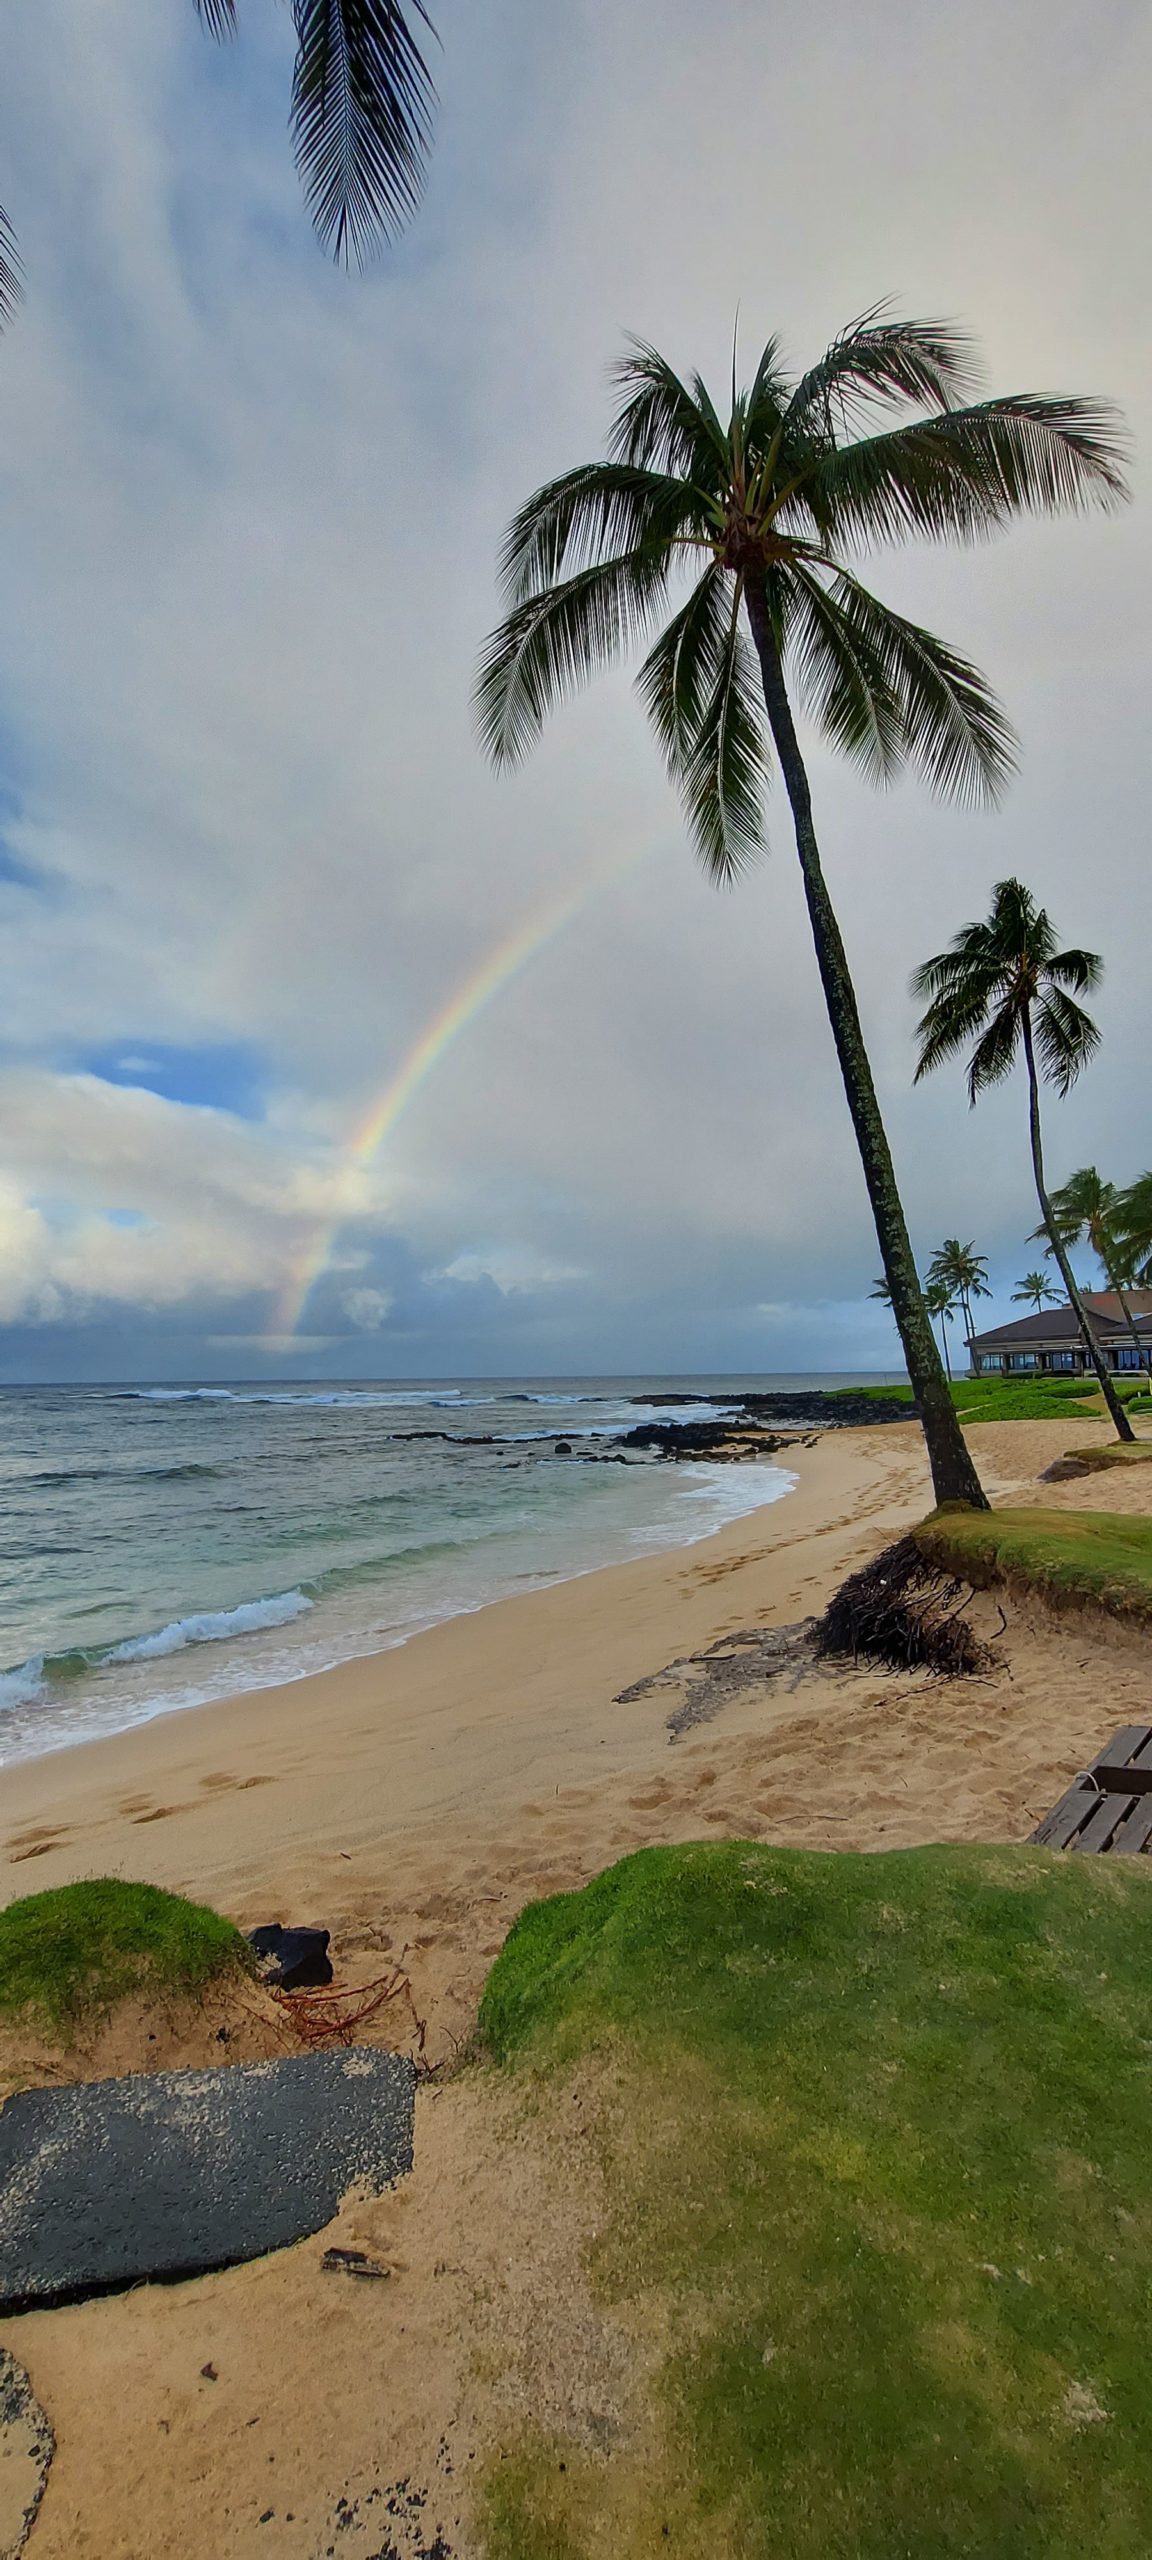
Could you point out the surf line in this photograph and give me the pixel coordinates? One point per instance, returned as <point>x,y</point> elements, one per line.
<point>474,993</point>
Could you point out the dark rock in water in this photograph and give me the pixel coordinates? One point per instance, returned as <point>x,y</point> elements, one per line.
<point>733,1437</point>
<point>27,2445</point>
<point>172,2173</point>
<point>562,1449</point>
<point>292,1959</point>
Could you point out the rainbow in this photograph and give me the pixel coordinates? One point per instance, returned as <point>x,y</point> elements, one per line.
<point>471,996</point>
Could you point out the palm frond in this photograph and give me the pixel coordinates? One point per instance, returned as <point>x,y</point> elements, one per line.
<point>1081,970</point>
<point>957,1013</point>
<point>842,683</point>
<point>1066,1038</point>
<point>770,393</point>
<point>698,685</point>
<point>362,103</point>
<point>219,16</point>
<point>960,476</point>
<point>662,425</point>
<point>877,360</point>
<point>552,643</point>
<point>11,272</point>
<point>946,719</point>
<point>724,774</point>
<point>995,1052</point>
<point>678,676</point>
<point>601,507</point>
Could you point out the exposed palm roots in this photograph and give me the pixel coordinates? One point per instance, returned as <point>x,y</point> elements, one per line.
<point>904,1612</point>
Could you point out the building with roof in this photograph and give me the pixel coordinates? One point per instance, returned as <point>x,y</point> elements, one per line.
<point>1049,1343</point>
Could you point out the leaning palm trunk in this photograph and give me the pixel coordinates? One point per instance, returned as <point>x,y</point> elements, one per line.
<point>954,1476</point>
<point>1124,1428</point>
<point>1143,1353</point>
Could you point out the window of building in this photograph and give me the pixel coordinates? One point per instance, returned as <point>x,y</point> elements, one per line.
<point>1063,1359</point>
<point>1022,1360</point>
<point>1128,1356</point>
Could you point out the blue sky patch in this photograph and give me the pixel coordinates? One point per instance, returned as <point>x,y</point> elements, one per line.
<point>227,1076</point>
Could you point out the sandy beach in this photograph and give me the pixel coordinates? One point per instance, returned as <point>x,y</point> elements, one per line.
<point>413,1803</point>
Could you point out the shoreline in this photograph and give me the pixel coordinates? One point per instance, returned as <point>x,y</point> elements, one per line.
<point>391,1640</point>
<point>412,1801</point>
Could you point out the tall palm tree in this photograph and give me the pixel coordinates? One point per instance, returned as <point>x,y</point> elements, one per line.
<point>1088,1207</point>
<point>965,1273</point>
<point>1134,1226</point>
<point>1004,985</point>
<point>1035,1290</point>
<point>771,508</point>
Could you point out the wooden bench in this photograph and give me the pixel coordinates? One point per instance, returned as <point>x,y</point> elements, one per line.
<point>1109,1805</point>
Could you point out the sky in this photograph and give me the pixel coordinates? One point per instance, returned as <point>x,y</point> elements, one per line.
<point>324,1051</point>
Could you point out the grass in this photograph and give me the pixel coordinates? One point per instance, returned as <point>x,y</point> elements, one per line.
<point>1011,1399</point>
<point>1114,1453</point>
<point>74,1952</point>
<point>1102,1558</point>
<point>874,2132</point>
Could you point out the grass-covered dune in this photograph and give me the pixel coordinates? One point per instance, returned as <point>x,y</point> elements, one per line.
<point>1073,1559</point>
<point>877,2141</point>
<point>71,1954</point>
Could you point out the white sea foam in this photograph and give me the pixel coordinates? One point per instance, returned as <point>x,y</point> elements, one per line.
<point>22,1686</point>
<point>213,1626</point>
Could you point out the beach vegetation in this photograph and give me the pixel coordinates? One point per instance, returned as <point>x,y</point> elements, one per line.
<point>1091,1211</point>
<point>882,440</point>
<point>871,2132</point>
<point>963,1272</point>
<point>1087,1559</point>
<point>70,1954</point>
<point>1004,990</point>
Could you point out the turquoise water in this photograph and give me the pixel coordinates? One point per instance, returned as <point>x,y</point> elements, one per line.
<point>160,1546</point>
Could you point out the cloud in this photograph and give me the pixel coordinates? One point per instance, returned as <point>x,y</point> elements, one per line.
<point>250,510</point>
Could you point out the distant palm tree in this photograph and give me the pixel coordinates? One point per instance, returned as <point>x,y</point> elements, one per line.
<point>939,1300</point>
<point>1035,1290</point>
<point>1134,1226</point>
<point>362,107</point>
<point>965,1273</point>
<point>772,508</point>
<point>1005,985</point>
<point>1088,1207</point>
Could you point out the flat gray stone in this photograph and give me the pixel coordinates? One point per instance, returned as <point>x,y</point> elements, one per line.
<point>170,2174</point>
<point>27,2445</point>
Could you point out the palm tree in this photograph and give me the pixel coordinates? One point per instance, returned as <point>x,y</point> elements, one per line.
<point>940,1302</point>
<point>1035,1290</point>
<point>771,508</point>
<point>1134,1226</point>
<point>362,106</point>
<point>1088,1207</point>
<point>965,1273</point>
<point>1004,984</point>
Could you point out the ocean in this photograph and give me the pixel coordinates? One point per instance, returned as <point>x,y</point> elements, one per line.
<point>165,1545</point>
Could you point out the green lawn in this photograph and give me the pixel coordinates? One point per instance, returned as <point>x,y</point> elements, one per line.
<point>1102,1557</point>
<point>875,2133</point>
<point>74,1952</point>
<point>1015,1399</point>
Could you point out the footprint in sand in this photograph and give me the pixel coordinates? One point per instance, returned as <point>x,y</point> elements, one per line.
<point>35,1844</point>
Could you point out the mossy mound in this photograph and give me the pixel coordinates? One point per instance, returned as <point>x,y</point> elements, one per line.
<point>72,1953</point>
<point>874,2136</point>
<point>1071,1559</point>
